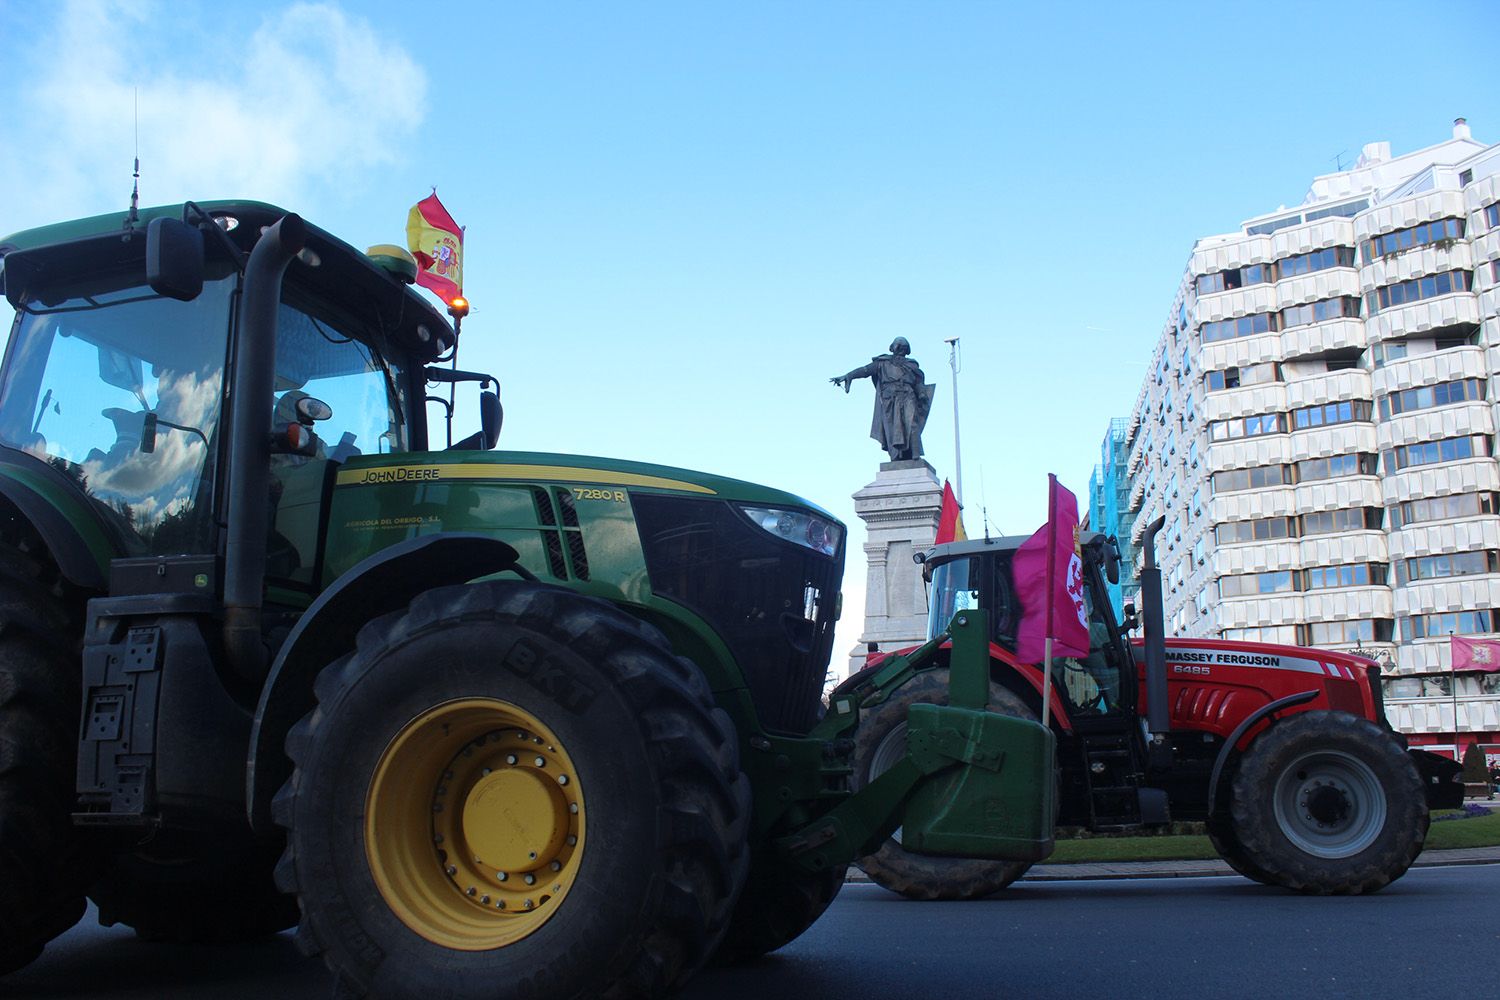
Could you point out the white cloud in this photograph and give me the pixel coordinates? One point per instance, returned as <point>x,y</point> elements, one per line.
<point>304,104</point>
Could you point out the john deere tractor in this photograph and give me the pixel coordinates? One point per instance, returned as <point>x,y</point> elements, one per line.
<point>481,723</point>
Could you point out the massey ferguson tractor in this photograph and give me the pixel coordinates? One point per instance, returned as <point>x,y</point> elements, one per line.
<point>1285,753</point>
<point>482,723</point>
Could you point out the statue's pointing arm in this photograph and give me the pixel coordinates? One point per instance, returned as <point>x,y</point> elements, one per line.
<point>868,371</point>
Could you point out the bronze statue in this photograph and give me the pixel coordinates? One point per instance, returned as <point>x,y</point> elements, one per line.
<point>902,400</point>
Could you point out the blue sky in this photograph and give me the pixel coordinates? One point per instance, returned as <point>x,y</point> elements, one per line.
<point>683,218</point>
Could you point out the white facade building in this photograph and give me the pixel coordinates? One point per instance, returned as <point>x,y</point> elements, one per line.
<point>1318,427</point>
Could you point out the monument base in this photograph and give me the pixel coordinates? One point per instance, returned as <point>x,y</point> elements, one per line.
<point>901,509</point>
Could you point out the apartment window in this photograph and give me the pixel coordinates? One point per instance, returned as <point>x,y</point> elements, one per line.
<point>1316,312</point>
<point>1416,236</point>
<point>1344,412</point>
<point>1257,584</point>
<point>1334,633</point>
<point>1433,452</point>
<point>1495,271</point>
<point>1318,260</point>
<point>1353,464</point>
<point>1197,501</point>
<point>1200,551</point>
<point>1176,577</point>
<point>1450,623</point>
<point>1326,522</point>
<point>1201,601</point>
<point>1223,281</point>
<point>1492,215</point>
<point>1242,427</point>
<point>1443,508</point>
<point>1193,455</point>
<point>1243,326</point>
<point>1254,478</point>
<point>1427,396</point>
<point>1450,564</point>
<point>1235,378</point>
<point>1344,575</point>
<point>1391,350</point>
<point>1260,530</point>
<point>1430,287</point>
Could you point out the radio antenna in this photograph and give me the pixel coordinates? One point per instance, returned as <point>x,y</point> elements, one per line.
<point>135,187</point>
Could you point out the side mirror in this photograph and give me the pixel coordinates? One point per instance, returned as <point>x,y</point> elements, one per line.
<point>491,415</point>
<point>1128,621</point>
<point>174,259</point>
<point>1112,559</point>
<point>148,432</point>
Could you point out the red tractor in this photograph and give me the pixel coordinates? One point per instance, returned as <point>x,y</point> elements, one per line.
<point>1285,753</point>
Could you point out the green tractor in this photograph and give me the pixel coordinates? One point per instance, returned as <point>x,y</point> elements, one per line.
<point>480,722</point>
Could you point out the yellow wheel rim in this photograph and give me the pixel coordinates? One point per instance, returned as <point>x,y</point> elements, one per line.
<point>474,824</point>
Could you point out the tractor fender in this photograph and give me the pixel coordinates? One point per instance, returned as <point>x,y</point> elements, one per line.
<point>384,582</point>
<point>1279,704</point>
<point>66,541</point>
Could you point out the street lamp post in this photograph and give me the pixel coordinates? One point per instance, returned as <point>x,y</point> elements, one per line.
<point>958,462</point>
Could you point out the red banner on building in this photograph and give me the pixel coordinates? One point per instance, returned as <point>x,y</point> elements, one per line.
<point>1048,570</point>
<point>1474,654</point>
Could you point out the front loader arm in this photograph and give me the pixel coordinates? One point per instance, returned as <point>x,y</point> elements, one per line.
<point>973,783</point>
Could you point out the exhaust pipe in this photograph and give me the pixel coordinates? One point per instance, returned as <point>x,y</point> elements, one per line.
<point>250,450</point>
<point>1158,716</point>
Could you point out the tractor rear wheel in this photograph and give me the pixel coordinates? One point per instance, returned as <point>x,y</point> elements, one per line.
<point>879,743</point>
<point>1328,803</point>
<point>44,865</point>
<point>780,901</point>
<point>207,892</point>
<point>508,791</point>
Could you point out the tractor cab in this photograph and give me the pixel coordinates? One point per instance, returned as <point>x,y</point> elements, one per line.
<point>1094,698</point>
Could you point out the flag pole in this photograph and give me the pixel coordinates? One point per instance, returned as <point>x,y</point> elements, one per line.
<point>958,461</point>
<point>1047,681</point>
<point>1453,689</point>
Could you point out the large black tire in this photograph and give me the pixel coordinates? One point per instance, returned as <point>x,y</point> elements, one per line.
<point>43,863</point>
<point>1327,803</point>
<point>780,901</point>
<point>656,812</point>
<point>1220,831</point>
<point>201,892</point>
<point>879,743</point>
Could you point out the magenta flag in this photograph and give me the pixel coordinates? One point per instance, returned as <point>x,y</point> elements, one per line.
<point>1474,654</point>
<point>1048,570</point>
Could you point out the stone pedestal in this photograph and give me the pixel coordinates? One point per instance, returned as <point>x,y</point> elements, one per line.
<point>900,509</point>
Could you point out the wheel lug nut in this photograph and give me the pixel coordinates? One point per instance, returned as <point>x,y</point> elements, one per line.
<point>510,758</point>
<point>562,779</point>
<point>540,762</point>
<point>529,904</point>
<point>572,840</point>
<point>530,879</point>
<point>485,772</point>
<point>469,891</point>
<point>557,866</point>
<point>573,807</point>
<point>503,876</point>
<point>451,870</point>
<point>484,900</point>
<point>531,855</point>
<point>499,904</point>
<point>438,839</point>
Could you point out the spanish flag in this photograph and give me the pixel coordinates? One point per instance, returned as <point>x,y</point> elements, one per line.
<point>951,520</point>
<point>438,244</point>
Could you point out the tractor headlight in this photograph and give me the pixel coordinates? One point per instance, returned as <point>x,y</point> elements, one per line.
<point>796,526</point>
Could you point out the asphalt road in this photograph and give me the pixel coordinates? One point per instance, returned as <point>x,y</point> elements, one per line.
<point>1432,934</point>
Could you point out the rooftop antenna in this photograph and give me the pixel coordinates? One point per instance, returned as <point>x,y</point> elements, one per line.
<point>134,215</point>
<point>1338,160</point>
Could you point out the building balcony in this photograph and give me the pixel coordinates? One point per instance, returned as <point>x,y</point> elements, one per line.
<point>1425,207</point>
<point>1256,557</point>
<point>1232,254</point>
<point>1468,534</point>
<point>1333,549</point>
<point>1225,404</point>
<point>1337,494</point>
<point>1435,714</point>
<point>1429,369</point>
<point>1347,604</point>
<point>1329,283</point>
<point>1332,387</point>
<point>1417,318</point>
<point>1251,505</point>
<point>1245,453</point>
<point>1238,352</point>
<point>1317,235</point>
<point>1454,420</point>
<point>1458,593</point>
<point>1347,333</point>
<point>1236,302</point>
<point>1324,442</point>
<point>1242,612</point>
<point>1469,475</point>
<point>1418,262</point>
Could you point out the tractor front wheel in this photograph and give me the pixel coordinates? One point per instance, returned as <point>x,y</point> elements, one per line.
<point>508,791</point>
<point>879,744</point>
<point>1327,803</point>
